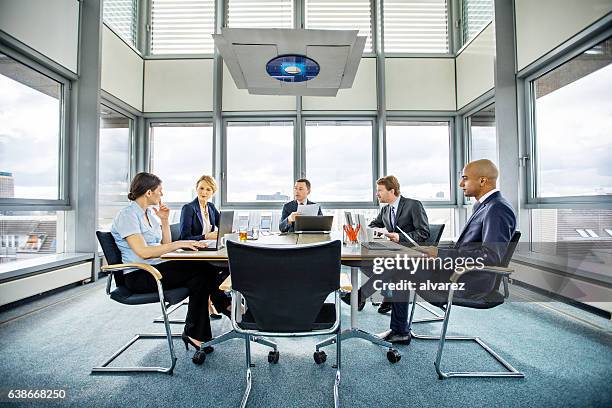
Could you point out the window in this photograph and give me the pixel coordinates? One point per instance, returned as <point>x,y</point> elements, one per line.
<point>476,15</point>
<point>415,26</point>
<point>572,119</point>
<point>114,165</point>
<point>182,26</point>
<point>339,160</point>
<point>341,15</point>
<point>259,157</point>
<point>30,234</point>
<point>575,238</point>
<point>31,113</point>
<point>418,154</point>
<point>121,16</point>
<point>179,169</point>
<point>483,141</point>
<point>260,14</point>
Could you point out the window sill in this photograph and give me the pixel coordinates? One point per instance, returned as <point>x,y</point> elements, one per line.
<point>575,268</point>
<point>13,270</point>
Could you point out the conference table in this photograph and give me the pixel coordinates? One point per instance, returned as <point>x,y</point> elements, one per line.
<point>352,255</point>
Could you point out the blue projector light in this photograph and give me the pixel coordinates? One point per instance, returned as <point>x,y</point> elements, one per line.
<point>292,68</point>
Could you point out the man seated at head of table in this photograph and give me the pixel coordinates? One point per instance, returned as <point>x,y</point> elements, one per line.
<point>301,190</point>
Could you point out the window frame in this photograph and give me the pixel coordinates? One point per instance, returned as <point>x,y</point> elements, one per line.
<point>462,42</point>
<point>452,149</point>
<point>375,154</point>
<point>63,202</point>
<point>533,201</point>
<point>252,205</point>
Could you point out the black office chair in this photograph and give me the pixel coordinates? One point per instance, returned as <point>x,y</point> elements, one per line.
<point>285,290</point>
<point>123,295</point>
<point>175,233</point>
<point>435,234</point>
<point>445,299</point>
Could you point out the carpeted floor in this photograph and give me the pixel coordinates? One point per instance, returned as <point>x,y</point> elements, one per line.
<point>53,342</point>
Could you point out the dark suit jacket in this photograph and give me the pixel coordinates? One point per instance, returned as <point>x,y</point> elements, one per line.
<point>411,218</point>
<point>486,235</point>
<point>288,208</point>
<point>191,220</point>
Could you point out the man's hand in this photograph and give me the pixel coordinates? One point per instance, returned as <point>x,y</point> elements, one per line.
<point>163,213</point>
<point>430,251</point>
<point>291,217</point>
<point>393,236</point>
<point>211,235</point>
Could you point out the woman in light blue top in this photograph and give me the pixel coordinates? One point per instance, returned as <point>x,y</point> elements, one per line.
<point>142,238</point>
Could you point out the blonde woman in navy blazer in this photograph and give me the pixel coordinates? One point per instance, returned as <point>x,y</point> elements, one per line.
<point>200,220</point>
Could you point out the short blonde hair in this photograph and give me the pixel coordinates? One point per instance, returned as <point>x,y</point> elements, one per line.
<point>390,182</point>
<point>208,180</point>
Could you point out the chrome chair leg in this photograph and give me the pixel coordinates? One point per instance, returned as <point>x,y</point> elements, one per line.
<point>172,309</point>
<point>338,363</point>
<point>247,391</point>
<point>104,368</point>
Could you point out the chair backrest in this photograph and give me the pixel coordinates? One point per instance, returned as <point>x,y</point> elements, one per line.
<point>175,231</point>
<point>435,234</point>
<point>111,253</point>
<point>285,287</point>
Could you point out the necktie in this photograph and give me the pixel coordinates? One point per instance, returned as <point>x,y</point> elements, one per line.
<point>393,217</point>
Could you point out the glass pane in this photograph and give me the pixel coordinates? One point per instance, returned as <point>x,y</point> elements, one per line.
<point>573,118</point>
<point>121,16</point>
<point>341,15</point>
<point>416,26</point>
<point>179,169</point>
<point>259,161</point>
<point>30,119</point>
<point>476,15</point>
<point>339,160</point>
<point>114,165</point>
<point>418,154</point>
<point>26,235</point>
<point>182,26</point>
<point>574,237</point>
<point>483,143</point>
<point>260,14</point>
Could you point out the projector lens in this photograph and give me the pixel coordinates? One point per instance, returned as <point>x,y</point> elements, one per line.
<point>292,68</point>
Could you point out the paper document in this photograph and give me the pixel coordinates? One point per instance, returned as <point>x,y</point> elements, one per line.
<point>379,231</point>
<point>308,209</point>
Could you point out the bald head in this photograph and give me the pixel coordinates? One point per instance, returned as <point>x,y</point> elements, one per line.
<point>479,177</point>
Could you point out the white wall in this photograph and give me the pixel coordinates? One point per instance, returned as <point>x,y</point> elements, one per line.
<point>542,25</point>
<point>420,83</point>
<point>235,99</point>
<point>182,85</point>
<point>361,96</point>
<point>476,67</point>
<point>122,70</point>
<point>51,27</point>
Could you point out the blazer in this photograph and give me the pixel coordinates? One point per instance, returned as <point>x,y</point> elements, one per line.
<point>288,208</point>
<point>411,218</point>
<point>486,235</point>
<point>191,220</point>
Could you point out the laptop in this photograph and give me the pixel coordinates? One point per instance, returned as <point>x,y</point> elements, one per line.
<point>226,222</point>
<point>313,224</point>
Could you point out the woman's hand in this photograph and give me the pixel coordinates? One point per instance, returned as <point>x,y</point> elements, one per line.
<point>163,212</point>
<point>211,235</point>
<point>190,245</point>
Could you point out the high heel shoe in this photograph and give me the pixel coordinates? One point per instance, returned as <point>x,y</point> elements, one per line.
<point>215,316</point>
<point>187,341</point>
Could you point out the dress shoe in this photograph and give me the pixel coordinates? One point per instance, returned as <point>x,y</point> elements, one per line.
<point>346,298</point>
<point>396,338</point>
<point>384,308</point>
<point>188,341</point>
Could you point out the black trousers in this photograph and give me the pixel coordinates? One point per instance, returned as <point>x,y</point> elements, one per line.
<point>200,278</point>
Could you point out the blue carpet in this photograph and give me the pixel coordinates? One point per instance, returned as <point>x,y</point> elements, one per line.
<point>567,362</point>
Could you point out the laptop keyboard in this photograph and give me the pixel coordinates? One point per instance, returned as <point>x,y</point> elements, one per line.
<point>389,246</point>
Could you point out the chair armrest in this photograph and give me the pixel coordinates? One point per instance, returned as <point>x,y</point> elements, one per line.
<point>497,270</point>
<point>345,284</point>
<point>149,268</point>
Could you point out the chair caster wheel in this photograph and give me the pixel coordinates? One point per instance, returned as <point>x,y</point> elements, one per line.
<point>319,357</point>
<point>273,357</point>
<point>393,356</point>
<point>199,357</point>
